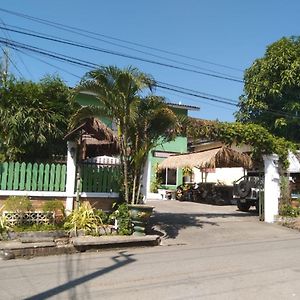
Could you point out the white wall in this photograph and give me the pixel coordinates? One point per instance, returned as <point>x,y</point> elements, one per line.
<point>222,175</point>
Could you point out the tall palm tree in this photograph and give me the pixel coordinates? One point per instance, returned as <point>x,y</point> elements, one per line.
<point>118,91</point>
<point>157,124</point>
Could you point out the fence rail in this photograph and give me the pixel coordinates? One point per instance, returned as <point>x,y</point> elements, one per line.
<point>33,177</point>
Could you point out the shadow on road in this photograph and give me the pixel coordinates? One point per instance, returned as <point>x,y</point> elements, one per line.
<point>119,261</point>
<point>170,224</point>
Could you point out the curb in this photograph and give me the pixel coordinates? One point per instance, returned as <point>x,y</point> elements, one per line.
<point>16,249</point>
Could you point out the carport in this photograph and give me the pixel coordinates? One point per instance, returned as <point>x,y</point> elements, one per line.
<point>205,160</point>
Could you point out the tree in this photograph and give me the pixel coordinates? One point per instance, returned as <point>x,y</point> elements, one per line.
<point>142,122</point>
<point>118,92</point>
<point>272,90</point>
<point>34,118</point>
<point>156,124</point>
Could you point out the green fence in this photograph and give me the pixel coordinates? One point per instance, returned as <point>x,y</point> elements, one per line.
<point>33,177</point>
<point>100,178</point>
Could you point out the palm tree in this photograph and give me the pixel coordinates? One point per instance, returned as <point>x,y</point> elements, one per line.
<point>118,92</point>
<point>156,124</point>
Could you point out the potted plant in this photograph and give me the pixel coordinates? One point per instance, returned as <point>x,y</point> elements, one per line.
<point>187,173</point>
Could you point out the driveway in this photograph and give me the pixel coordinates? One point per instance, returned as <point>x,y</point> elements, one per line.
<point>188,223</point>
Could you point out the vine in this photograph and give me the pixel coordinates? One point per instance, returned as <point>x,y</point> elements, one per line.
<point>262,141</point>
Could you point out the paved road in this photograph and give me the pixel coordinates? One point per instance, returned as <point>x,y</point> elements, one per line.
<point>207,252</point>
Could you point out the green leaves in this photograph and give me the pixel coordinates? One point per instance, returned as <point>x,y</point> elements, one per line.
<point>34,118</point>
<point>272,90</point>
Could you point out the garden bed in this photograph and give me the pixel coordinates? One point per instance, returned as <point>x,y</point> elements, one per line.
<point>290,222</point>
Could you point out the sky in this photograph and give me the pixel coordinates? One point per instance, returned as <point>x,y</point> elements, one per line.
<point>200,46</point>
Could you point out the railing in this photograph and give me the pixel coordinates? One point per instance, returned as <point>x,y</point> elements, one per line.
<point>100,178</point>
<point>18,176</point>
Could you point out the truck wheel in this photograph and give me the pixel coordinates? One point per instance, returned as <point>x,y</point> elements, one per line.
<point>243,206</point>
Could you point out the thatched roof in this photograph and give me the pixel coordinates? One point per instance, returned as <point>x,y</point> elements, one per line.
<point>93,133</point>
<point>220,157</point>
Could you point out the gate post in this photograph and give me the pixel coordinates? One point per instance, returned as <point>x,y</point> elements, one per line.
<point>272,187</point>
<point>71,174</point>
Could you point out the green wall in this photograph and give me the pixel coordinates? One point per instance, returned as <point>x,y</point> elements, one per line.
<point>86,100</point>
<point>179,145</point>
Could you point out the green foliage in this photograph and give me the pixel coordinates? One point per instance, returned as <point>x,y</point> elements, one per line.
<point>143,121</point>
<point>84,217</point>
<point>285,193</point>
<point>121,214</point>
<point>272,90</point>
<point>4,227</point>
<point>34,118</point>
<point>289,211</point>
<point>255,135</point>
<point>54,206</point>
<point>19,204</point>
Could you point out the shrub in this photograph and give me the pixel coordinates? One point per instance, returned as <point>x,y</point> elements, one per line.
<point>124,222</point>
<point>19,204</point>
<point>57,207</point>
<point>4,227</point>
<point>84,217</point>
<point>289,211</point>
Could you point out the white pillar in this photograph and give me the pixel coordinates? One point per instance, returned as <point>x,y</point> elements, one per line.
<point>146,180</point>
<point>71,174</point>
<point>272,187</point>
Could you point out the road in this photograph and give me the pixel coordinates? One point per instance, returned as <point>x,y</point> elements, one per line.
<point>207,252</point>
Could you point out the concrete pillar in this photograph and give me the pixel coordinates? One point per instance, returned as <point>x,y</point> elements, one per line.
<point>272,187</point>
<point>146,180</point>
<point>71,174</point>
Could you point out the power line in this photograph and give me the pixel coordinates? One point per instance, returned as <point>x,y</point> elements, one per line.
<point>75,44</point>
<point>20,58</point>
<point>166,86</point>
<point>79,30</point>
<point>133,49</point>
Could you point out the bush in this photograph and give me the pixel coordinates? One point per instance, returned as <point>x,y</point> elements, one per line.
<point>57,207</point>
<point>19,204</point>
<point>289,211</point>
<point>85,217</point>
<point>124,222</point>
<point>4,227</point>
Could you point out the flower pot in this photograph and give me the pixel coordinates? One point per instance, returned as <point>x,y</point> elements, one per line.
<point>140,215</point>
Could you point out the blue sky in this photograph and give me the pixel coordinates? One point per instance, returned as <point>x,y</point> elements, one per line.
<point>232,33</point>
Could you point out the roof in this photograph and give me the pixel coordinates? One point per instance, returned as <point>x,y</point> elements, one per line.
<point>94,133</point>
<point>219,157</point>
<point>182,106</point>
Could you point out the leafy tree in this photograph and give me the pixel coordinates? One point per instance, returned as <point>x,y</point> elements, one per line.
<point>262,141</point>
<point>272,90</point>
<point>141,122</point>
<point>34,118</point>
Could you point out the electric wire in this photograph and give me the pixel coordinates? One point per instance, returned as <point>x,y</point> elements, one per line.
<point>80,30</point>
<point>75,44</point>
<point>22,29</point>
<point>166,86</point>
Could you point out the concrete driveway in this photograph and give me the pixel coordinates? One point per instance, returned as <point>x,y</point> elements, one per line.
<point>189,223</point>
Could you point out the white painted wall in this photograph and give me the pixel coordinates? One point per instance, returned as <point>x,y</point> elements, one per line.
<point>224,176</point>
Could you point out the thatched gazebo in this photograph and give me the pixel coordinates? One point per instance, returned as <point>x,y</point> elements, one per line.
<point>220,157</point>
<point>94,138</point>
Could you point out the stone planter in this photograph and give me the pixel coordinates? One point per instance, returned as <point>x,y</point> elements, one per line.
<point>140,215</point>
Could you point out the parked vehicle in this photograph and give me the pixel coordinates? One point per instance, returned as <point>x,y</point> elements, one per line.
<point>207,192</point>
<point>246,190</point>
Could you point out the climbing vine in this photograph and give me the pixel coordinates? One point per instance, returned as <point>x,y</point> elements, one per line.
<point>261,140</point>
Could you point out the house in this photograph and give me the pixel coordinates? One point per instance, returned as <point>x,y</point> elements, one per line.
<point>169,179</point>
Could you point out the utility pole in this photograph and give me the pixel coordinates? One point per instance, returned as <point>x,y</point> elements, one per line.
<point>4,67</point>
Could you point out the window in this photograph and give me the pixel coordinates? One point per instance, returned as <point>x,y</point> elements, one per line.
<point>168,176</point>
